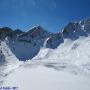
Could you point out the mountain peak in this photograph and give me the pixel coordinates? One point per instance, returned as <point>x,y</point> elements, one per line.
<point>18,32</point>
<point>35,33</point>
<point>5,31</point>
<point>75,29</point>
<point>37,29</point>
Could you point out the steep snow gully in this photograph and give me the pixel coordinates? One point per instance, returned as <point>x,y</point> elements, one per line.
<point>68,51</point>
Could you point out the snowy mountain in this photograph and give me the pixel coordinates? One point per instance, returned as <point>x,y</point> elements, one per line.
<point>75,29</point>
<point>35,33</point>
<point>26,45</point>
<point>54,40</point>
<point>4,32</point>
<point>40,60</point>
<point>72,30</point>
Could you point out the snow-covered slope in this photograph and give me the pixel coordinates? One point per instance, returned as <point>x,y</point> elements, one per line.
<point>49,58</point>
<point>8,55</point>
<point>74,55</point>
<point>42,78</point>
<point>26,45</point>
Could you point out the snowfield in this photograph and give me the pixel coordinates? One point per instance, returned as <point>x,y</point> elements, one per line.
<point>43,78</point>
<point>64,68</point>
<point>70,53</point>
<point>39,60</point>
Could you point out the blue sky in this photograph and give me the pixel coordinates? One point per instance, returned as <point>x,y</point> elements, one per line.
<point>53,15</point>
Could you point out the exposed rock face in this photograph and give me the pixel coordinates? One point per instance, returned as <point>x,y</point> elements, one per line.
<point>5,31</point>
<point>18,32</point>
<point>85,25</point>
<point>36,33</point>
<point>72,31</point>
<point>75,29</point>
<point>36,36</point>
<point>54,40</point>
<point>26,45</point>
